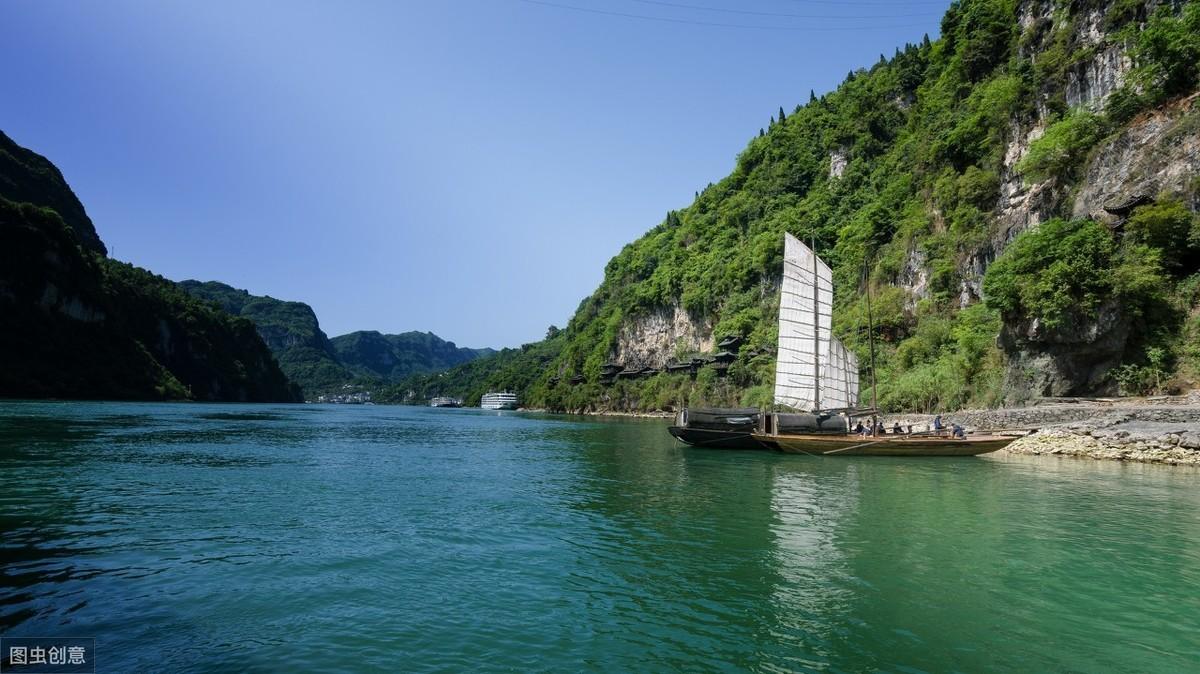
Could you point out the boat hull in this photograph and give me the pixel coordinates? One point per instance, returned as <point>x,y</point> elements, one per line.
<point>713,439</point>
<point>902,445</point>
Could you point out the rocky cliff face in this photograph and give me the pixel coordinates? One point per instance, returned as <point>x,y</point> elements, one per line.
<point>1070,361</point>
<point>656,338</point>
<point>1159,151</point>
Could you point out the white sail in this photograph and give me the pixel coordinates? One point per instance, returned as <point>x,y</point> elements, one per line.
<point>839,377</point>
<point>851,380</point>
<point>805,325</point>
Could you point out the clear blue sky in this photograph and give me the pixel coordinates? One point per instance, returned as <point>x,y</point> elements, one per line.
<point>460,166</point>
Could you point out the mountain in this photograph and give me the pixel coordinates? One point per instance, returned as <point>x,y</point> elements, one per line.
<point>393,357</point>
<point>320,364</point>
<point>1017,200</point>
<point>28,177</point>
<point>289,329</point>
<point>505,370</point>
<point>80,325</point>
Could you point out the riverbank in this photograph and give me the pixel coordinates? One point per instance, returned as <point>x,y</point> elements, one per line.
<point>1149,430</point>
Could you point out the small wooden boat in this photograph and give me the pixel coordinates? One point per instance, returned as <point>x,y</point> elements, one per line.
<point>717,428</point>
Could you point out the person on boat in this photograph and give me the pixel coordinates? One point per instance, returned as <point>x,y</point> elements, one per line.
<point>937,423</point>
<point>859,428</point>
<point>879,428</point>
<point>896,428</point>
<point>959,432</point>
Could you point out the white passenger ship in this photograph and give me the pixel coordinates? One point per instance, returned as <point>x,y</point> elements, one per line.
<point>499,401</point>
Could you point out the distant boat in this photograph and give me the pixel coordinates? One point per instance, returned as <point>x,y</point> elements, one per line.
<point>442,401</point>
<point>499,401</point>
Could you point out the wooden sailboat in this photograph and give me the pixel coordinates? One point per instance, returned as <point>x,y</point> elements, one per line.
<point>816,373</point>
<point>805,330</point>
<point>817,379</point>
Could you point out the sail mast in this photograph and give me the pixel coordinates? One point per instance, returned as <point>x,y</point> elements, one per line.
<point>812,240</point>
<point>871,337</point>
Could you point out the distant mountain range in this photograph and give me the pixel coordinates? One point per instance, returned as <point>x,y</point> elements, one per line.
<point>319,364</point>
<point>394,357</point>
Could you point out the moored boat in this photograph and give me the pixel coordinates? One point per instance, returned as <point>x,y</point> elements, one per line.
<point>444,401</point>
<point>830,437</point>
<point>717,428</point>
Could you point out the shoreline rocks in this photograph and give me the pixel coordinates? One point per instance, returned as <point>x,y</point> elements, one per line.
<point>1163,431</point>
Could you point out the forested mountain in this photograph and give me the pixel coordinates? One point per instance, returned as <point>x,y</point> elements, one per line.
<point>80,325</point>
<point>290,330</point>
<point>28,177</point>
<point>505,370</point>
<point>1017,197</point>
<point>392,357</point>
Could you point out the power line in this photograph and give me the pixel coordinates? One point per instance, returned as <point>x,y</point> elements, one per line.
<point>794,16</point>
<point>691,22</point>
<point>885,3</point>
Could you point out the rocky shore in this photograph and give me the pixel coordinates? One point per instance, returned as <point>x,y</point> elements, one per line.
<point>1155,430</point>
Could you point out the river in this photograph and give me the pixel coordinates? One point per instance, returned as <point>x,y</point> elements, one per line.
<point>197,538</point>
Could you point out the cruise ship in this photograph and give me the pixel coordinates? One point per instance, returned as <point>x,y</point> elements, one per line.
<point>499,401</point>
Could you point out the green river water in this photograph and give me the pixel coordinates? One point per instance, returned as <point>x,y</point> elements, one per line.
<point>187,537</point>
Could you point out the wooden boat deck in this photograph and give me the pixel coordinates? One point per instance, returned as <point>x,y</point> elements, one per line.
<point>885,445</point>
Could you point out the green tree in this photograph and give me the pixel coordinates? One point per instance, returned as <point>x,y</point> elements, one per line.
<point>1168,50</point>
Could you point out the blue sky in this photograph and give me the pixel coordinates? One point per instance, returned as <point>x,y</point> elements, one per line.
<point>465,167</point>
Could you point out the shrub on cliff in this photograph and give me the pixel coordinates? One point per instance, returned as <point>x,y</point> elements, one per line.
<point>1063,146</point>
<point>1169,226</point>
<point>1053,273</point>
<point>1168,50</point>
<point>1062,271</point>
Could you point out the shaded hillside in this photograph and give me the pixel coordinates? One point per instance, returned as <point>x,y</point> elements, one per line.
<point>924,181</point>
<point>28,177</point>
<point>393,357</point>
<point>290,330</point>
<point>79,325</point>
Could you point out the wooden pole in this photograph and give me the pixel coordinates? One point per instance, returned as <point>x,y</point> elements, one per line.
<point>871,337</point>
<point>812,240</point>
